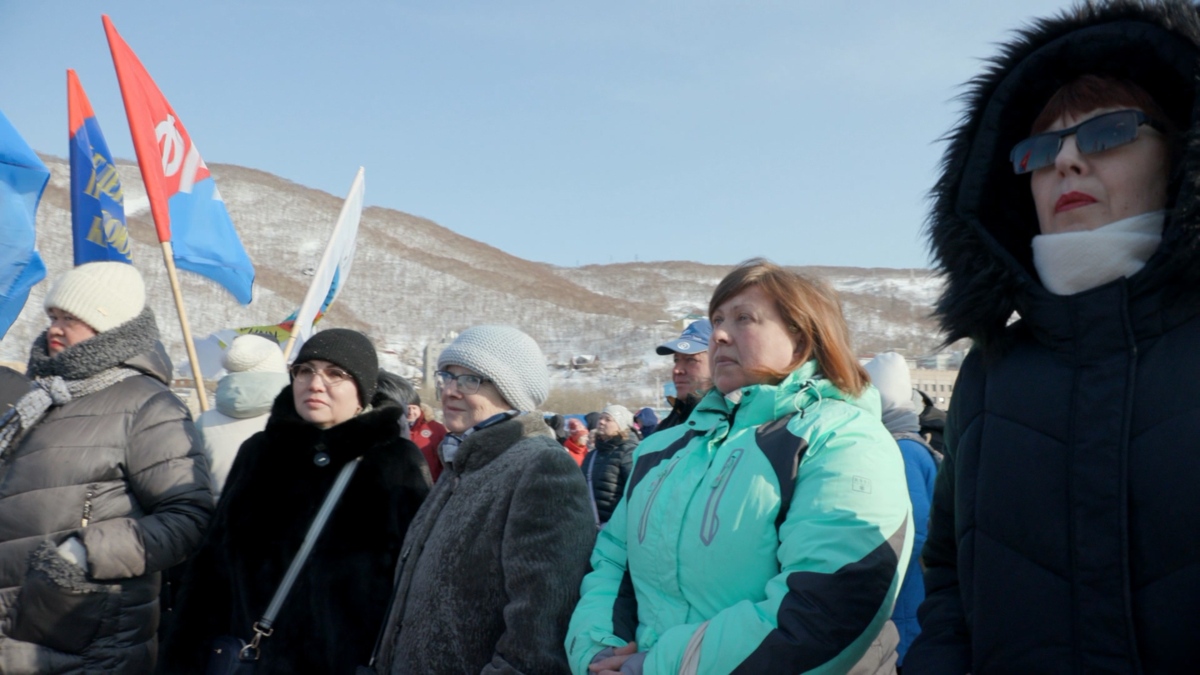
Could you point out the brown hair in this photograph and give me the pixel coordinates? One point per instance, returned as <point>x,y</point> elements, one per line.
<point>1090,92</point>
<point>811,310</point>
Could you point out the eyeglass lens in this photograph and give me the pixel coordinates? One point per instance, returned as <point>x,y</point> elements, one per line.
<point>1095,135</point>
<point>465,383</point>
<point>305,373</point>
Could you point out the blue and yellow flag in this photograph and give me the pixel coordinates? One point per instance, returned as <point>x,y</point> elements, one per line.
<point>97,204</point>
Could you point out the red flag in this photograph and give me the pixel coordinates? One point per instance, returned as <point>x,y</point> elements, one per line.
<point>184,200</point>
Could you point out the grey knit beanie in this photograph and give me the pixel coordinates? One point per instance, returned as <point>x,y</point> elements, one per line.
<point>507,357</point>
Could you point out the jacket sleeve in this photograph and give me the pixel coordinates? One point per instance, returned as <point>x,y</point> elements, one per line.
<point>547,536</point>
<point>843,549</point>
<point>167,474</point>
<point>606,606</point>
<point>944,644</point>
<point>206,593</point>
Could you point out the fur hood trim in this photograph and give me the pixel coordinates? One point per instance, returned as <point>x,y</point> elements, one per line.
<point>983,220</point>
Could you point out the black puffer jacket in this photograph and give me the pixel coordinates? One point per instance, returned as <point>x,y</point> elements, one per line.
<point>127,459</point>
<point>1063,533</point>
<point>332,616</point>
<point>607,467</point>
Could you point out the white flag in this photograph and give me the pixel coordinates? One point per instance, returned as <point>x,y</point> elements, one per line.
<point>335,264</point>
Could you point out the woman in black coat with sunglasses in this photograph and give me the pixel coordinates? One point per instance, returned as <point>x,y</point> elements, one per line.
<point>331,618</point>
<point>1062,537</point>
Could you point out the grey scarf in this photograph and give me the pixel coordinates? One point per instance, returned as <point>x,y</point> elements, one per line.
<point>81,369</point>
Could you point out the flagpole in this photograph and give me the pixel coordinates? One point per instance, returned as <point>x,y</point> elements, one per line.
<point>287,349</point>
<point>169,259</point>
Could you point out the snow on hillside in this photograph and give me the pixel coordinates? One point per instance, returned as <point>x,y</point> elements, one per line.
<point>414,282</point>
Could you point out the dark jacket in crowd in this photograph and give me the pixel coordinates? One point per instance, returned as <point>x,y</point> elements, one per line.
<point>330,620</point>
<point>1063,534</point>
<point>679,412</point>
<point>490,570</point>
<point>122,470</point>
<point>13,386</point>
<point>607,468</point>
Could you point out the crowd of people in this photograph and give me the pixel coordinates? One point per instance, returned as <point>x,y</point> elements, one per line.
<point>797,510</point>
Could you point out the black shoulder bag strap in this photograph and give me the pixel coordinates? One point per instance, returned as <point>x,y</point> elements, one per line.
<point>264,626</point>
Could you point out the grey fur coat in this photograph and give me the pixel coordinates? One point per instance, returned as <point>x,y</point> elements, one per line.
<point>491,567</point>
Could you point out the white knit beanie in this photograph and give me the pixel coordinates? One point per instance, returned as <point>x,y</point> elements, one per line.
<point>620,415</point>
<point>103,295</point>
<point>507,357</point>
<point>254,354</point>
<point>889,373</point>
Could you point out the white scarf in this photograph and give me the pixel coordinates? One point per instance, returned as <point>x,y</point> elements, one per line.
<point>1073,262</point>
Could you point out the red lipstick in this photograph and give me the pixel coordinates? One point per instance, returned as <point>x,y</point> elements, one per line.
<point>1073,200</point>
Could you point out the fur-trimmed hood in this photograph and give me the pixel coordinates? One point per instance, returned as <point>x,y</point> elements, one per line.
<point>983,219</point>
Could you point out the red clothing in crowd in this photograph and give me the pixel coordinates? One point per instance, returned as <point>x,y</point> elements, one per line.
<point>577,450</point>
<point>428,435</point>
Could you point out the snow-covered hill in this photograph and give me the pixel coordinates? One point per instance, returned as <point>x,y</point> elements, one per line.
<point>414,282</point>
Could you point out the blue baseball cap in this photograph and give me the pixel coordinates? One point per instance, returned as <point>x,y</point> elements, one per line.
<point>693,340</point>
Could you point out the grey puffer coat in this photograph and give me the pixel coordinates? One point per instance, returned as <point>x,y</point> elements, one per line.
<point>122,470</point>
<point>491,566</point>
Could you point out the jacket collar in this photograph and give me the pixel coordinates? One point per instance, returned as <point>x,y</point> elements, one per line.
<point>341,442</point>
<point>485,445</point>
<point>800,392</point>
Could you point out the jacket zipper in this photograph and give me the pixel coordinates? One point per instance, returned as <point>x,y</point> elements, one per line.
<point>710,524</point>
<point>87,506</point>
<point>658,482</point>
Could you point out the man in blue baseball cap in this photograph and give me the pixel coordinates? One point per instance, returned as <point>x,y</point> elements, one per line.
<point>691,373</point>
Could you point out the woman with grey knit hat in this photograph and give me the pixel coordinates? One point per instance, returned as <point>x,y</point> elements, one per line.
<point>490,570</point>
<point>103,485</point>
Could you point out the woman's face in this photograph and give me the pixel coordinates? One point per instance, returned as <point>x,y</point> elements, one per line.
<point>326,397</point>
<point>748,335</point>
<point>607,427</point>
<point>462,411</point>
<point>65,330</point>
<point>1083,192</point>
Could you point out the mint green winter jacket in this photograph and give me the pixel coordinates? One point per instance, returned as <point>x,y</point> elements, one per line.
<point>725,556</point>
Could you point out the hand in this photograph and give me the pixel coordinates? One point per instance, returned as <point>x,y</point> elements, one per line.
<point>73,551</point>
<point>612,665</point>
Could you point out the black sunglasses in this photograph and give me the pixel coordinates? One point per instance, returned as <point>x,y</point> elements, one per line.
<point>1098,134</point>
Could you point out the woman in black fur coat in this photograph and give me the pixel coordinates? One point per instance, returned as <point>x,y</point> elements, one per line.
<point>332,616</point>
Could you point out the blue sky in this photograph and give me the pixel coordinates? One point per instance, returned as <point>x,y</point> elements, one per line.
<point>564,132</point>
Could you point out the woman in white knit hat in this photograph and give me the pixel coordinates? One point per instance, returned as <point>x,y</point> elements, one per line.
<point>102,483</point>
<point>257,373</point>
<point>607,467</point>
<point>490,569</point>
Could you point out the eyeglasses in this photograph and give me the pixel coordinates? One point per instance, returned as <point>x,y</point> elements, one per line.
<point>303,374</point>
<point>467,383</point>
<point>1098,134</point>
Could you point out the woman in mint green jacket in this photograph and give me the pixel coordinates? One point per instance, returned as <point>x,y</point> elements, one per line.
<point>768,533</point>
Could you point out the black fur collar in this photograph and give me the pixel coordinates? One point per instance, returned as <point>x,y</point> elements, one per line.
<point>343,441</point>
<point>982,222</point>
